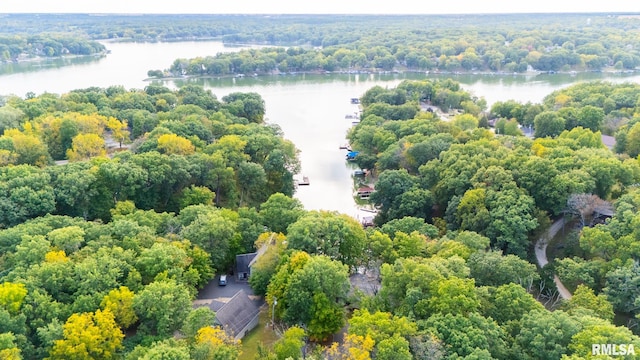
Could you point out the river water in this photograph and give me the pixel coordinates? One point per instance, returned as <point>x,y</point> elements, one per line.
<point>310,109</point>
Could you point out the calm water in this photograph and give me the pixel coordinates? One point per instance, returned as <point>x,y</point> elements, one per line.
<point>310,109</point>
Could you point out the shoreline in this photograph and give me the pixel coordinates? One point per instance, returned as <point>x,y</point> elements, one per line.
<point>392,72</point>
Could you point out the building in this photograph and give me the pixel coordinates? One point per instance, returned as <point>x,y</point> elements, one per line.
<point>239,315</point>
<point>365,192</point>
<point>243,265</point>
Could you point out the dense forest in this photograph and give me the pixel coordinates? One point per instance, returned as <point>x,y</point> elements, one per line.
<point>164,187</point>
<point>474,43</point>
<point>495,43</point>
<point>117,205</point>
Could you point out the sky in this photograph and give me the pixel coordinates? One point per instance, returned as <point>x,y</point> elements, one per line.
<point>315,6</point>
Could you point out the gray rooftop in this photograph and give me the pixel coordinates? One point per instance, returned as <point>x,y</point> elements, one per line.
<point>237,313</point>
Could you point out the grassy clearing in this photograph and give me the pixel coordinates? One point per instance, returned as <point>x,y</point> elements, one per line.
<point>263,333</point>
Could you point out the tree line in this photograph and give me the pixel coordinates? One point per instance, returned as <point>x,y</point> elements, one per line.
<point>21,47</point>
<point>493,43</point>
<point>496,44</point>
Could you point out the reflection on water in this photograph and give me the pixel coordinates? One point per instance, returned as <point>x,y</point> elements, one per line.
<point>36,65</point>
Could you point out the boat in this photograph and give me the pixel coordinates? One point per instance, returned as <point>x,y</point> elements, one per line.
<point>304,181</point>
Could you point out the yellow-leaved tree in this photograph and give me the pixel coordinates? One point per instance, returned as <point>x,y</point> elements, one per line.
<point>11,296</point>
<point>120,303</point>
<point>174,144</point>
<point>88,336</point>
<point>354,347</point>
<point>119,130</point>
<point>213,343</point>
<point>86,146</point>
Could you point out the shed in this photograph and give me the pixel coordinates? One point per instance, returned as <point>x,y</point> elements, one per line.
<point>243,265</point>
<point>239,315</point>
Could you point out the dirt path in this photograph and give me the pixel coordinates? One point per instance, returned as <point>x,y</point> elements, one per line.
<point>541,255</point>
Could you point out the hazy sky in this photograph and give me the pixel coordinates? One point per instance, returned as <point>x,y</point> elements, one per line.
<point>316,7</point>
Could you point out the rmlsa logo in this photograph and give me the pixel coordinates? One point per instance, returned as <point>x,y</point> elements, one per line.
<point>613,349</point>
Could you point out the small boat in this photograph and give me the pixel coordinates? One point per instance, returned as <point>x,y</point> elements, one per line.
<point>351,155</point>
<point>305,181</point>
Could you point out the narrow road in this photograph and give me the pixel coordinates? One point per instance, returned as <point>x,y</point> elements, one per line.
<point>541,255</point>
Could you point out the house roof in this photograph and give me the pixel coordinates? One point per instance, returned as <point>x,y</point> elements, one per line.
<point>212,304</point>
<point>243,261</point>
<point>236,314</point>
<point>608,141</point>
<point>365,189</point>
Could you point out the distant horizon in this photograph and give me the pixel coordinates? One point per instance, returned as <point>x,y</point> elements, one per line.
<point>325,7</point>
<point>324,14</point>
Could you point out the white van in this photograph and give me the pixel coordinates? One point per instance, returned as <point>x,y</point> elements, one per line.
<point>223,280</point>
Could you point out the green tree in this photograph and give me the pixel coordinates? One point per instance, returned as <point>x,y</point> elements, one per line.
<point>280,211</point>
<point>26,192</point>
<point>162,307</point>
<point>601,333</point>
<point>265,267</point>
<point>632,141</point>
<point>252,181</point>
<point>338,236</point>
<point>393,348</point>
<point>591,117</point>
<point>545,335</point>
<point>290,345</point>
<point>8,348</point>
<point>510,302</point>
<point>548,123</point>
<point>390,187</point>
<point>195,195</point>
<point>215,234</point>
<point>196,320</point>
<point>311,290</point>
<point>623,288</point>
<point>462,335</point>
<point>452,296</point>
<point>492,268</point>
<point>585,300</point>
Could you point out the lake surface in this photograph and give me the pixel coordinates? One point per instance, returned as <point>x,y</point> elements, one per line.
<point>310,109</point>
